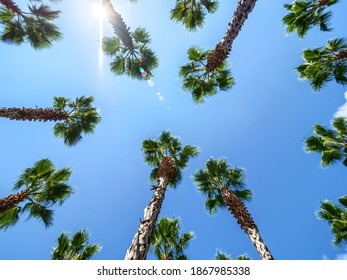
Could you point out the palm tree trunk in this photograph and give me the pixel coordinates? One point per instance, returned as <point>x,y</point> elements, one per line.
<point>244,219</point>
<point>140,245</point>
<point>12,200</point>
<point>9,4</point>
<point>222,50</point>
<point>119,26</point>
<point>23,114</point>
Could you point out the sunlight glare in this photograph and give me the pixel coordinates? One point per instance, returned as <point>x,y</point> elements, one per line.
<point>98,10</point>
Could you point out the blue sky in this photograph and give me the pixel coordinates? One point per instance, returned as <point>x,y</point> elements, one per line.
<point>259,125</point>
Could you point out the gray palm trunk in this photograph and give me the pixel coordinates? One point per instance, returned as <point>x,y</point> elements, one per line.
<point>140,245</point>
<point>222,50</point>
<point>244,219</point>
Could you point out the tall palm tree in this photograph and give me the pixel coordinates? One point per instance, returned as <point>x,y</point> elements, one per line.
<point>202,83</point>
<point>221,256</point>
<point>192,12</point>
<point>42,186</point>
<point>336,217</point>
<point>332,144</point>
<point>216,58</point>
<point>302,15</point>
<point>167,157</point>
<point>166,241</point>
<point>74,248</point>
<point>34,26</point>
<point>224,187</point>
<point>77,117</point>
<point>325,64</point>
<point>130,51</point>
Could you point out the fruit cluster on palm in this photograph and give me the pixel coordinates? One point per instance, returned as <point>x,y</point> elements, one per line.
<point>224,188</point>
<point>166,241</point>
<point>167,158</point>
<point>130,50</point>
<point>35,26</point>
<point>76,117</point>
<point>302,15</point>
<point>336,217</point>
<point>332,144</point>
<point>74,248</point>
<point>41,187</point>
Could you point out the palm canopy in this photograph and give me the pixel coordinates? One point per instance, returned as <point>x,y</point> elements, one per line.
<point>222,256</point>
<point>332,144</point>
<point>336,217</point>
<point>42,186</point>
<point>137,62</point>
<point>82,118</point>
<point>166,241</point>
<point>192,12</point>
<point>200,82</point>
<point>35,26</point>
<point>302,15</point>
<point>218,175</point>
<point>325,64</point>
<point>167,147</point>
<point>74,248</point>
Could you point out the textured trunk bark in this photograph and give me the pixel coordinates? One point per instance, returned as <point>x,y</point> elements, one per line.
<point>222,50</point>
<point>244,219</point>
<point>119,26</point>
<point>11,201</point>
<point>9,4</point>
<point>140,245</point>
<point>28,114</point>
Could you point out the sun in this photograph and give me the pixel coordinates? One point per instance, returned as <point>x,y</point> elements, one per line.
<point>98,10</point>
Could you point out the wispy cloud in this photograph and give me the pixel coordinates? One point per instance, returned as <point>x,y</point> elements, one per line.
<point>341,256</point>
<point>342,110</point>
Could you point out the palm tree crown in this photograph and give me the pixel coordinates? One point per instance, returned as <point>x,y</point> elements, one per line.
<point>42,186</point>
<point>332,144</point>
<point>221,256</point>
<point>224,187</point>
<point>302,15</point>
<point>192,12</point>
<point>167,157</point>
<point>130,51</point>
<point>82,118</point>
<point>325,64</point>
<point>336,217</point>
<point>200,82</point>
<point>166,241</point>
<point>34,26</point>
<point>74,248</point>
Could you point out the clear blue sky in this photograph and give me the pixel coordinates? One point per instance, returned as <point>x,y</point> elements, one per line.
<point>259,125</point>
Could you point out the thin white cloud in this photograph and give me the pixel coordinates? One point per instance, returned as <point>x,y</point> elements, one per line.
<point>342,110</point>
<point>341,256</point>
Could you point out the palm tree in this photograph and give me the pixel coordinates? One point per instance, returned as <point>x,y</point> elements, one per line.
<point>332,144</point>
<point>224,187</point>
<point>166,241</point>
<point>42,186</point>
<point>200,82</point>
<point>129,50</point>
<point>221,256</point>
<point>74,248</point>
<point>167,157</point>
<point>216,58</point>
<point>34,26</point>
<point>336,217</point>
<point>302,15</point>
<point>77,117</point>
<point>325,64</point>
<point>192,12</point>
